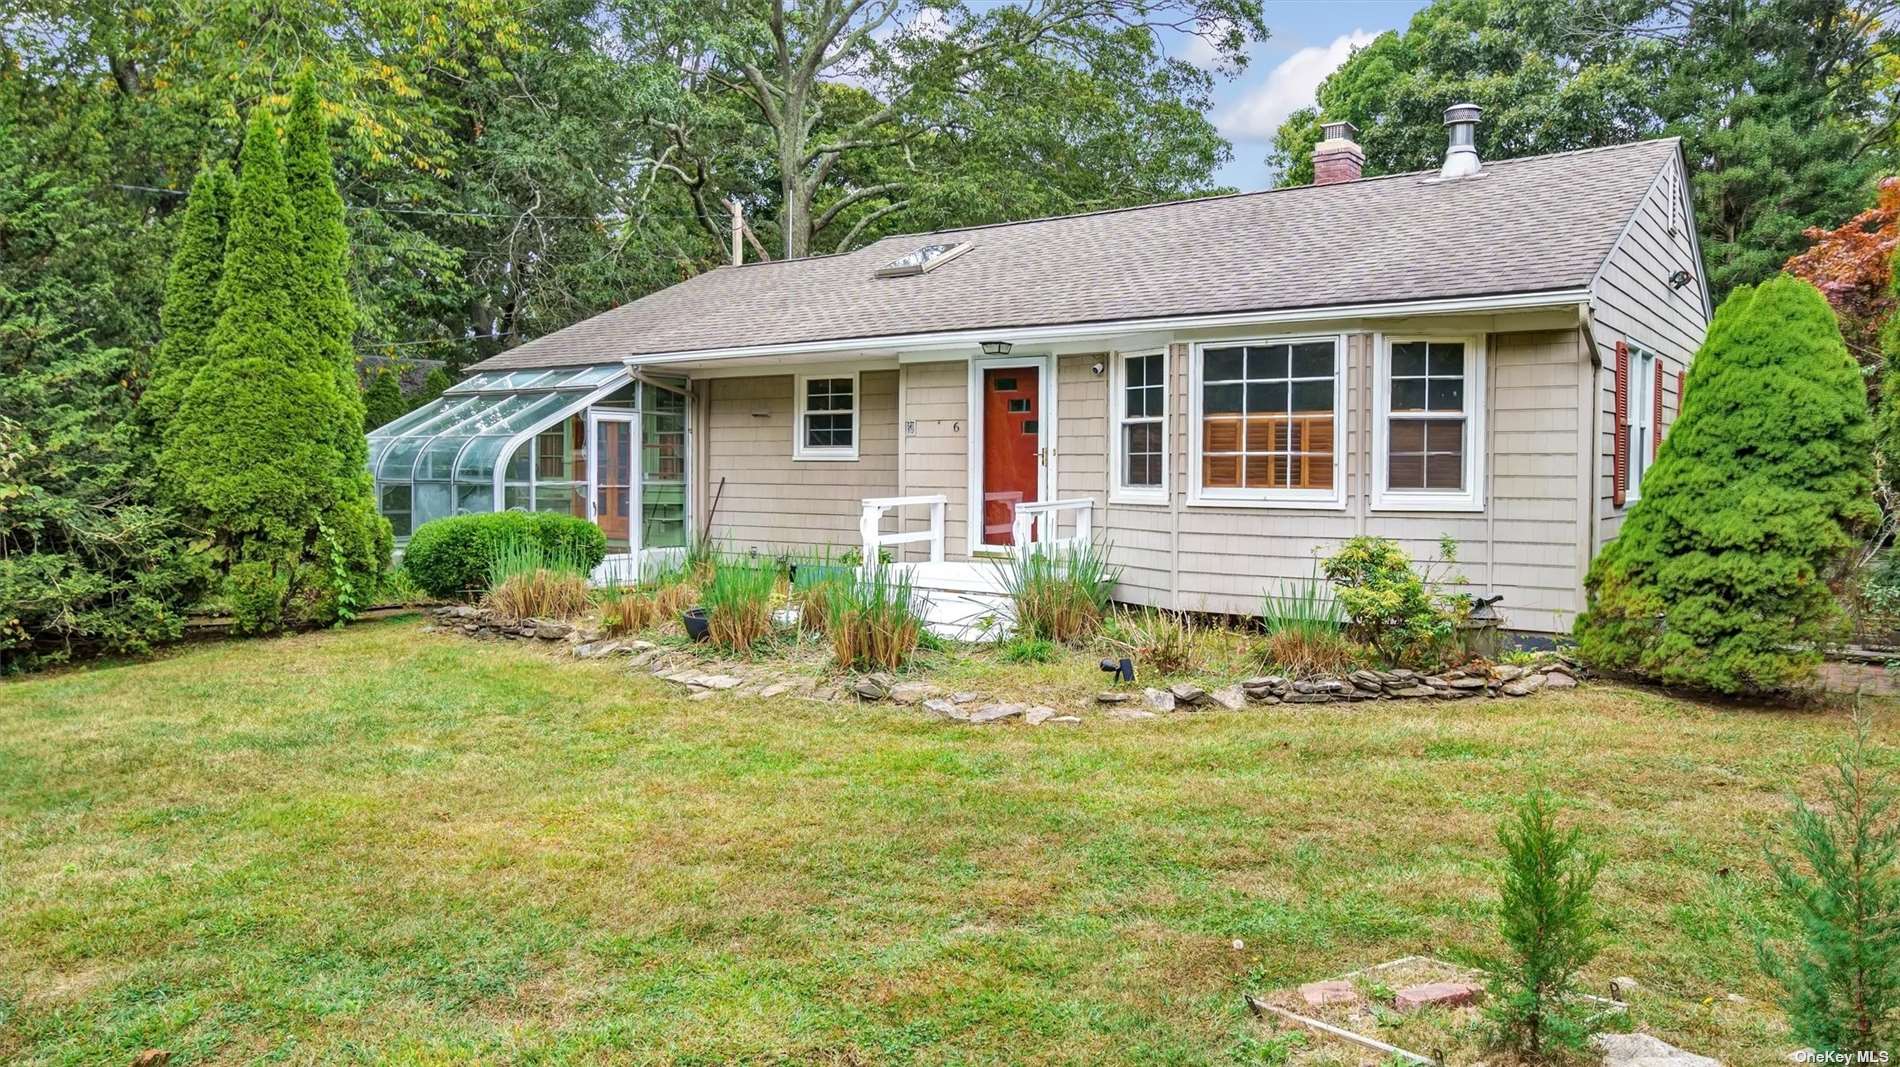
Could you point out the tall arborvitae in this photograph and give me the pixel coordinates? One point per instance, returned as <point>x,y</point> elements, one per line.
<point>383,401</point>
<point>1718,578</point>
<point>191,297</point>
<point>253,446</point>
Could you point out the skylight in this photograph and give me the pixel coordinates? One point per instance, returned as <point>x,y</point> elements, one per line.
<point>927,258</point>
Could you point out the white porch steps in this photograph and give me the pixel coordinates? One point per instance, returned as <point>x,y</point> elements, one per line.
<point>961,601</point>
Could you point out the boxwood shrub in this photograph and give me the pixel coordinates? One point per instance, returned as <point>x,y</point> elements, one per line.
<point>449,557</point>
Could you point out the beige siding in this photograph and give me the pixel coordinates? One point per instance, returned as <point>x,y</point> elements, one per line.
<point>1634,302</point>
<point>1223,559</point>
<point>773,502</point>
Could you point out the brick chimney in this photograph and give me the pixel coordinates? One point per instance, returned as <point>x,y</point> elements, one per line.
<point>1338,157</point>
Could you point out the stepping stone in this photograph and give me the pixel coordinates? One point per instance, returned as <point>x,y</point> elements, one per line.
<point>1436,995</point>
<point>1038,715</point>
<point>1646,1050</point>
<point>943,709</point>
<point>911,692</point>
<point>996,713</point>
<point>720,681</point>
<point>1326,994</point>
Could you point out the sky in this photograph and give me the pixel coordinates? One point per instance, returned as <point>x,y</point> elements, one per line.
<point>1310,38</point>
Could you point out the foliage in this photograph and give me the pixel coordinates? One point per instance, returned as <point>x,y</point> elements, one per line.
<point>89,562</point>
<point>1840,876</point>
<point>1852,265</point>
<point>531,580</point>
<point>1781,104</point>
<point>450,557</point>
<point>1060,593</point>
<point>1029,650</point>
<point>1305,630</point>
<point>191,296</point>
<point>434,384</point>
<point>255,452</point>
<point>383,401</point>
<point>874,622</point>
<point>1164,643</point>
<point>255,592</point>
<point>738,600</point>
<point>1549,925</point>
<point>1718,576</point>
<point>626,609</point>
<point>1387,603</point>
<point>814,582</point>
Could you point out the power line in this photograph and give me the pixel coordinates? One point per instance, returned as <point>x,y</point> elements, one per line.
<point>436,212</point>
<point>371,347</point>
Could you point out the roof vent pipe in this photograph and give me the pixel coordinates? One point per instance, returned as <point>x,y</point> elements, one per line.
<point>1461,155</point>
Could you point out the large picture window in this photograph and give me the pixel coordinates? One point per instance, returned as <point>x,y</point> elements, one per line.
<point>827,421</point>
<point>1140,442</point>
<point>1267,419</point>
<point>1426,438</point>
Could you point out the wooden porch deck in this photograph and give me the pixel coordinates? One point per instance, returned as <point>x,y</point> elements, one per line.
<point>961,601</point>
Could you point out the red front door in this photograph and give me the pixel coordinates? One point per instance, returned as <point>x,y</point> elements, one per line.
<point>1012,443</point>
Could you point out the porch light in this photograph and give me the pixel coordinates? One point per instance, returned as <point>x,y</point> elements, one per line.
<point>995,348</point>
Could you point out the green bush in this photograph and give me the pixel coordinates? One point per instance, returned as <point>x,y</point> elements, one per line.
<point>1059,594</point>
<point>1550,928</point>
<point>1388,604</point>
<point>1718,578</point>
<point>450,557</point>
<point>256,592</point>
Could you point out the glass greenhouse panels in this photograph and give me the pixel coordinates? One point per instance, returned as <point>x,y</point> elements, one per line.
<point>443,458</point>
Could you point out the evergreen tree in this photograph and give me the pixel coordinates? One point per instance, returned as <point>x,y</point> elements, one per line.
<point>1549,925</point>
<point>434,385</point>
<point>255,448</point>
<point>322,290</point>
<point>1718,578</point>
<point>88,562</point>
<point>383,401</point>
<point>1841,878</point>
<point>191,296</point>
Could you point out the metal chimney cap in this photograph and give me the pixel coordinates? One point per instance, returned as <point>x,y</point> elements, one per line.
<point>1467,112</point>
<point>1339,131</point>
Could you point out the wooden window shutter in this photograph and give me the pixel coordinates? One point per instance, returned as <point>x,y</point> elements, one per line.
<point>1655,415</point>
<point>1620,429</point>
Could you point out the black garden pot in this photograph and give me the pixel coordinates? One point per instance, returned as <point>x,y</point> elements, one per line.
<point>696,625</point>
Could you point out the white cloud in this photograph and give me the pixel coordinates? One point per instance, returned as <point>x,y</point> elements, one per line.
<point>1198,48</point>
<point>1287,88</point>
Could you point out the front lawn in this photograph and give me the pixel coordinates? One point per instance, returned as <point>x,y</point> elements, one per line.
<point>383,845</point>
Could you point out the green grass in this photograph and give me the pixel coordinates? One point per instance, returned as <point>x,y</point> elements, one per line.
<point>379,845</point>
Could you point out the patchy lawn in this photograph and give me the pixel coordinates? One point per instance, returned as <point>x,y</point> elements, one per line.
<point>384,845</point>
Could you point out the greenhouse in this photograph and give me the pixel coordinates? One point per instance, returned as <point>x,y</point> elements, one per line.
<point>594,443</point>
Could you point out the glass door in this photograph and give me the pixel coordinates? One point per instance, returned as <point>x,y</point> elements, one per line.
<point>662,503</point>
<point>610,482</point>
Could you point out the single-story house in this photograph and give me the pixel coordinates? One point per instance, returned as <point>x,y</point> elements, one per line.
<point>1217,389</point>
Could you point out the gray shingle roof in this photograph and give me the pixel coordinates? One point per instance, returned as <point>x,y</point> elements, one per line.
<point>1525,225</point>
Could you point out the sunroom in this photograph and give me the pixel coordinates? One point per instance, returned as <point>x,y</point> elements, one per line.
<point>593,442</point>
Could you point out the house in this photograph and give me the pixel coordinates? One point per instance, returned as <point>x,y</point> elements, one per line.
<point>1217,389</point>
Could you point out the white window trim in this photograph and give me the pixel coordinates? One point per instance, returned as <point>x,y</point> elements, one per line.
<point>1046,442</point>
<point>1333,499</point>
<point>800,450</point>
<point>1642,400</point>
<point>1119,492</point>
<point>1471,497</point>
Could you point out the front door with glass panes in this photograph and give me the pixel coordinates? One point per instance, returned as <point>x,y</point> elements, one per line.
<point>636,486</point>
<point>610,483</point>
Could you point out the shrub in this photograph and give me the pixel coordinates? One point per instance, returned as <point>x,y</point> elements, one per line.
<point>1305,631</point>
<point>738,600</point>
<point>1840,879</point>
<point>450,557</point>
<point>1718,577</point>
<point>191,295</point>
<point>1060,593</point>
<point>873,622</point>
<point>626,609</point>
<point>1029,650</point>
<point>529,581</point>
<point>1387,603</point>
<point>255,592</point>
<point>1549,925</point>
<point>1165,643</point>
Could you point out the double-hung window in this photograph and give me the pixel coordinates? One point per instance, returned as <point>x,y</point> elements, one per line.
<point>1141,404</point>
<point>1642,413</point>
<point>1428,442</point>
<point>827,417</point>
<point>1266,420</point>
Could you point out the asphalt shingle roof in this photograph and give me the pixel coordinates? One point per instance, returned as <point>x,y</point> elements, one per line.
<point>1524,225</point>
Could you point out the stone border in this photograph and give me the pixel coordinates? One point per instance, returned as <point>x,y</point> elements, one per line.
<point>1548,671</point>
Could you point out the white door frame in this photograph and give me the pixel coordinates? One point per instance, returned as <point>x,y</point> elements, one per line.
<point>1044,366</point>
<point>630,416</point>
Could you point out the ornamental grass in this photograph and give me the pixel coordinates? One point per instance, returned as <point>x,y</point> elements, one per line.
<point>528,580</point>
<point>875,622</point>
<point>1306,631</point>
<point>1061,592</point>
<point>738,599</point>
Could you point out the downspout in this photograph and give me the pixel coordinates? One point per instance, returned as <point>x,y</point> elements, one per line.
<point>1592,415</point>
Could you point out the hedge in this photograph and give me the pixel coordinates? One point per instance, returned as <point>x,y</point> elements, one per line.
<point>449,557</point>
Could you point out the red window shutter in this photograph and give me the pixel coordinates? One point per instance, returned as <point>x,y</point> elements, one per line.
<point>1620,428</point>
<point>1655,417</point>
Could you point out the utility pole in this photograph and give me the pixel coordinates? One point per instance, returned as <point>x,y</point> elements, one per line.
<point>738,230</point>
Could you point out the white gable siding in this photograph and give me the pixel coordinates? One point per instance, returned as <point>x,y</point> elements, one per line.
<point>1633,302</point>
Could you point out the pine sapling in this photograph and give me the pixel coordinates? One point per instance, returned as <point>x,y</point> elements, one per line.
<point>1837,874</point>
<point>1550,929</point>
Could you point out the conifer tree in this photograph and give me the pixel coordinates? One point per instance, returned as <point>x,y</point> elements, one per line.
<point>1549,925</point>
<point>433,386</point>
<point>191,296</point>
<point>382,401</point>
<point>1718,578</point>
<point>253,447</point>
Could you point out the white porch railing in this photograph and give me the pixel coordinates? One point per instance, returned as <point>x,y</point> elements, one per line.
<point>1029,535</point>
<point>871,527</point>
